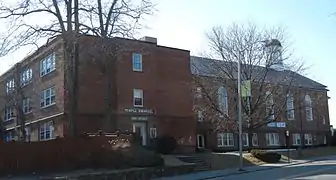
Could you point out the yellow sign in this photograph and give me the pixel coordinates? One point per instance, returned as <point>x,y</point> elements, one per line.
<point>246,88</point>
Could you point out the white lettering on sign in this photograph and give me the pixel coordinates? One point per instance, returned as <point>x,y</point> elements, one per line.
<point>139,118</point>
<point>277,124</point>
<point>137,110</point>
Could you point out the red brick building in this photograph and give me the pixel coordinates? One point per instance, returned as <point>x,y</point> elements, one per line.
<point>150,91</point>
<point>305,114</point>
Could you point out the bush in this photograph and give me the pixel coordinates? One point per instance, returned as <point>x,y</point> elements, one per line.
<point>268,157</point>
<point>165,144</point>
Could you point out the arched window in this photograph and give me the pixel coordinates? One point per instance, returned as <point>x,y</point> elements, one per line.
<point>223,100</point>
<point>290,107</point>
<point>269,106</point>
<point>308,108</point>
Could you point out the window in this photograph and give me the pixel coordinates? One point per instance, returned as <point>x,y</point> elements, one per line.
<point>9,113</point>
<point>137,98</point>
<point>137,62</point>
<point>272,139</point>
<point>26,77</point>
<point>223,101</point>
<point>308,108</point>
<point>296,139</point>
<point>269,106</point>
<point>290,107</point>
<point>26,105</point>
<point>198,92</point>
<point>245,139</point>
<point>323,120</point>
<point>48,64</point>
<point>9,136</point>
<point>48,97</point>
<point>255,139</point>
<point>225,139</point>
<point>199,115</point>
<point>152,132</point>
<point>27,133</point>
<point>46,131</point>
<point>10,85</point>
<point>308,139</point>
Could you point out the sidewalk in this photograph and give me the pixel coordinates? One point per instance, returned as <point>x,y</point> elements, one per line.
<point>227,172</point>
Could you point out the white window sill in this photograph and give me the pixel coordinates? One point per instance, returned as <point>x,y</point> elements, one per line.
<point>26,113</point>
<point>137,105</point>
<point>273,144</point>
<point>137,70</point>
<point>46,73</point>
<point>10,119</point>
<point>43,107</point>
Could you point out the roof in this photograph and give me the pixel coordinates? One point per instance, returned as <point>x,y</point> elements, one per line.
<point>209,67</point>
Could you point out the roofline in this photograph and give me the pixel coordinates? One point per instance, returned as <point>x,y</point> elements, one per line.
<point>322,85</point>
<point>56,40</point>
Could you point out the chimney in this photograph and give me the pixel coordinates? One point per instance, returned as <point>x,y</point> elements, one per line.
<point>149,39</point>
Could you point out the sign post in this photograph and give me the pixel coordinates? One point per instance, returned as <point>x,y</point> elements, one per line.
<point>288,152</point>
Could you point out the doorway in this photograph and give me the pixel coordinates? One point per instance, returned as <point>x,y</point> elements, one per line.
<point>139,128</point>
<point>200,141</point>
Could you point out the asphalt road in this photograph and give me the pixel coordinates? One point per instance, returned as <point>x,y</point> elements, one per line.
<point>321,170</point>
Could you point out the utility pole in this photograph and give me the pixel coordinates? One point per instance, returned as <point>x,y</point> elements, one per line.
<point>240,117</point>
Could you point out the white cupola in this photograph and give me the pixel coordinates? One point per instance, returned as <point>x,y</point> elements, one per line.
<point>274,48</point>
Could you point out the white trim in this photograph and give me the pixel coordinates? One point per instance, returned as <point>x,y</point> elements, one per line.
<point>38,120</point>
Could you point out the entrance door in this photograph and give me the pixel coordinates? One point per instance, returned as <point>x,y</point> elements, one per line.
<point>200,141</point>
<point>139,129</point>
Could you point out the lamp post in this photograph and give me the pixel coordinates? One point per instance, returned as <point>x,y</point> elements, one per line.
<point>240,119</point>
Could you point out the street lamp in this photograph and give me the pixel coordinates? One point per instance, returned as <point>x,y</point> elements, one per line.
<point>240,128</point>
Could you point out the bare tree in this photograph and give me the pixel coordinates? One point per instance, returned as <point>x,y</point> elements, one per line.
<point>267,67</point>
<point>67,19</point>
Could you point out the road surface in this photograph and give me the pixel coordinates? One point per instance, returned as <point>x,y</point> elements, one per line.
<point>321,170</point>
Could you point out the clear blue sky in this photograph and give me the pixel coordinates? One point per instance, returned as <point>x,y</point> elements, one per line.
<point>310,24</point>
<point>182,23</point>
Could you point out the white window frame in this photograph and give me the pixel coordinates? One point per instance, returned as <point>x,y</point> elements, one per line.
<point>255,141</point>
<point>45,129</point>
<point>26,76</point>
<point>27,106</point>
<point>323,120</point>
<point>225,140</point>
<point>308,108</point>
<point>296,138</point>
<point>152,132</point>
<point>290,107</point>
<point>9,114</point>
<point>8,136</point>
<point>223,101</point>
<point>245,139</point>
<point>308,139</point>
<point>200,117</point>
<point>138,93</point>
<point>269,106</point>
<point>137,61</point>
<point>48,97</point>
<point>10,85</point>
<point>272,139</point>
<point>28,133</point>
<point>48,64</point>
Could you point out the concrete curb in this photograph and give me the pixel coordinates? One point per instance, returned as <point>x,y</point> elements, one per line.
<point>263,168</point>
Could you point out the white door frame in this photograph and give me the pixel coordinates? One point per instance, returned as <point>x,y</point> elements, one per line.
<point>143,131</point>
<point>202,139</point>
